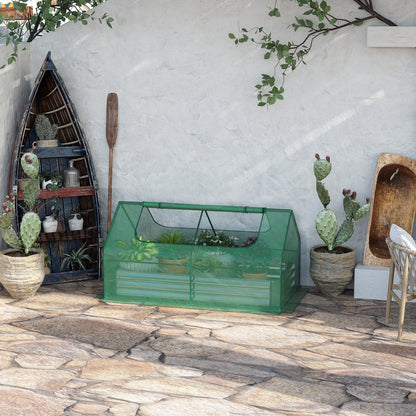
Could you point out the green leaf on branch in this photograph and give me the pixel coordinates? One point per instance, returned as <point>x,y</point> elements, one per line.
<point>47,18</point>
<point>274,13</point>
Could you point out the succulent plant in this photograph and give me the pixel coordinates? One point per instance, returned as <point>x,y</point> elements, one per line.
<point>326,222</point>
<point>44,129</point>
<point>30,224</point>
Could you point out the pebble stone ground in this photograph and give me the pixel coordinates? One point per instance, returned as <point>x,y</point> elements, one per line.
<point>64,352</point>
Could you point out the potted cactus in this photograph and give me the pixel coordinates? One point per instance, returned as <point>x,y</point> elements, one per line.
<point>46,132</point>
<point>332,265</point>
<point>22,268</point>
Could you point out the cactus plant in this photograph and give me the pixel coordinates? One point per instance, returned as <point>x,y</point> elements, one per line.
<point>30,224</point>
<point>44,129</point>
<point>326,221</point>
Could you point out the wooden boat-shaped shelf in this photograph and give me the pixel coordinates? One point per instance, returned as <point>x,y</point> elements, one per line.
<point>50,97</point>
<point>393,202</point>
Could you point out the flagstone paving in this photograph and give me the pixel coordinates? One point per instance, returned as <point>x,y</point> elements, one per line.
<point>64,352</point>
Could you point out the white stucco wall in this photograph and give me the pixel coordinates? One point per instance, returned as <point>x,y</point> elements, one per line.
<point>189,126</point>
<point>14,91</point>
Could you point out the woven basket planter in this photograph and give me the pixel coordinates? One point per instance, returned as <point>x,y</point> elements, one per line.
<point>333,271</point>
<point>22,275</point>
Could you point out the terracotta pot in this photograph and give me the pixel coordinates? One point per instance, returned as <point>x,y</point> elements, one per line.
<point>257,276</point>
<point>178,266</point>
<point>332,271</point>
<point>22,275</point>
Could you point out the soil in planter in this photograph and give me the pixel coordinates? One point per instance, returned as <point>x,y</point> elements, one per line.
<point>19,254</point>
<point>336,250</point>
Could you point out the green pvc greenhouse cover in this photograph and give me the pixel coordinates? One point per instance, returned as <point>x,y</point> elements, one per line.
<point>205,256</point>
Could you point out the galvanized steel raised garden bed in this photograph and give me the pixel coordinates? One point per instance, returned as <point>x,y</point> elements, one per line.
<point>259,274</point>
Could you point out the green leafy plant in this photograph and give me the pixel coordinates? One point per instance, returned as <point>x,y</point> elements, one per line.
<point>75,259</point>
<point>54,178</point>
<point>169,251</point>
<point>137,249</point>
<point>173,238</point>
<point>221,239</point>
<point>47,16</point>
<point>30,225</point>
<point>326,221</point>
<point>317,20</point>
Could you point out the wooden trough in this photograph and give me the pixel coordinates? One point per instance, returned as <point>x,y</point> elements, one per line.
<point>393,202</point>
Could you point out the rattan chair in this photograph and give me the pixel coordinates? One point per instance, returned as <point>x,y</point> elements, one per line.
<point>404,263</point>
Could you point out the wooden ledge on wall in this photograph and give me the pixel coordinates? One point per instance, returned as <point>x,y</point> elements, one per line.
<point>7,9</point>
<point>391,36</point>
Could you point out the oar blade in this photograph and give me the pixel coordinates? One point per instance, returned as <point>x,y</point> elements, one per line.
<point>112,119</point>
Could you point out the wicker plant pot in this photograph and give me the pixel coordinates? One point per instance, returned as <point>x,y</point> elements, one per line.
<point>332,271</point>
<point>22,275</point>
<point>21,183</point>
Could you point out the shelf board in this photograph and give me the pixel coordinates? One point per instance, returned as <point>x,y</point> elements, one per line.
<point>69,276</point>
<point>62,192</point>
<point>56,152</point>
<point>68,235</point>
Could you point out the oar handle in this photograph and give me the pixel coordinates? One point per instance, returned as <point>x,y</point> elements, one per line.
<point>111,133</point>
<point>110,188</point>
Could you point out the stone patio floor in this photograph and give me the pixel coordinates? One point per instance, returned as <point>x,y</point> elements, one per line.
<point>64,352</point>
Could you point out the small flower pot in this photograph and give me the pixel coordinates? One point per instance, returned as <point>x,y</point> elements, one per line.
<point>45,183</point>
<point>50,224</point>
<point>75,224</point>
<point>21,183</point>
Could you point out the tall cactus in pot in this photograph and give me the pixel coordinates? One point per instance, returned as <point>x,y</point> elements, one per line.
<point>326,222</point>
<point>332,266</point>
<point>22,267</point>
<point>30,225</point>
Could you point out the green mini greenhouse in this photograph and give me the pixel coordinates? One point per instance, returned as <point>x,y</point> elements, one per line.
<point>201,256</point>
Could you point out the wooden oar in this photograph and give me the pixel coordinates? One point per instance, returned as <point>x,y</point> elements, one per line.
<point>111,132</point>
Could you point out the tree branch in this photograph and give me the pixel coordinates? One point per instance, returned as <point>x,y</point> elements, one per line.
<point>318,21</point>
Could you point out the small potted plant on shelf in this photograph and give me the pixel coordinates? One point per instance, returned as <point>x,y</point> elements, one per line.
<point>22,268</point>
<point>51,181</point>
<point>138,255</point>
<point>75,259</point>
<point>332,265</point>
<point>75,220</point>
<point>46,132</point>
<point>172,258</point>
<point>50,223</point>
<point>21,183</point>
